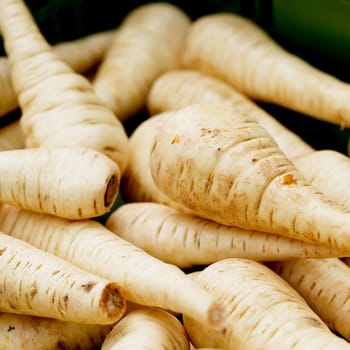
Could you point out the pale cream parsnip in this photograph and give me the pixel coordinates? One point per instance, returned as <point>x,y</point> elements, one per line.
<point>59,107</point>
<point>147,328</point>
<point>35,282</point>
<point>238,51</point>
<point>148,42</point>
<point>142,278</point>
<point>70,182</point>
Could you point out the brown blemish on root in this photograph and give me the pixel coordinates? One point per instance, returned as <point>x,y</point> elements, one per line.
<point>211,132</point>
<point>109,149</point>
<point>65,300</point>
<point>10,328</point>
<point>111,190</point>
<point>113,302</point>
<point>88,286</point>
<point>216,316</point>
<point>314,322</point>
<point>33,290</point>
<point>319,292</point>
<point>216,132</point>
<point>288,180</point>
<point>313,285</point>
<point>175,140</point>
<point>2,251</point>
<point>61,345</point>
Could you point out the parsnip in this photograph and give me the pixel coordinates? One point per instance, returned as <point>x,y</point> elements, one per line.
<point>34,282</point>
<point>180,88</point>
<point>225,167</point>
<point>11,136</point>
<point>59,107</point>
<point>142,278</point>
<point>187,240</point>
<point>147,328</point>
<point>329,172</point>
<point>24,332</point>
<point>199,334</point>
<point>238,51</point>
<point>264,311</point>
<point>85,53</point>
<point>137,184</point>
<point>70,182</point>
<point>147,43</point>
<point>325,285</point>
<point>81,55</point>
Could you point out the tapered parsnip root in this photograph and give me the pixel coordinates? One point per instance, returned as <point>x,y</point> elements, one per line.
<point>325,285</point>
<point>147,43</point>
<point>186,240</point>
<point>225,167</point>
<point>264,311</point>
<point>11,136</point>
<point>37,283</point>
<point>137,184</point>
<point>81,55</point>
<point>24,332</point>
<point>85,53</point>
<point>59,107</point>
<point>142,278</point>
<point>71,182</point>
<point>180,88</point>
<point>199,334</point>
<point>147,328</point>
<point>239,52</point>
<point>329,172</point>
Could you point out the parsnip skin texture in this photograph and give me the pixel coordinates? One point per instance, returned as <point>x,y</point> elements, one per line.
<point>34,282</point>
<point>187,240</point>
<point>142,278</point>
<point>329,172</point>
<point>59,107</point>
<point>181,87</point>
<point>72,183</point>
<point>24,332</point>
<point>85,53</point>
<point>265,312</point>
<point>147,328</point>
<point>147,43</point>
<point>229,169</point>
<point>137,184</point>
<point>324,284</point>
<point>81,55</point>
<point>236,50</point>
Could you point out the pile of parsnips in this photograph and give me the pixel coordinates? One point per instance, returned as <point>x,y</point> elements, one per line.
<point>211,184</point>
